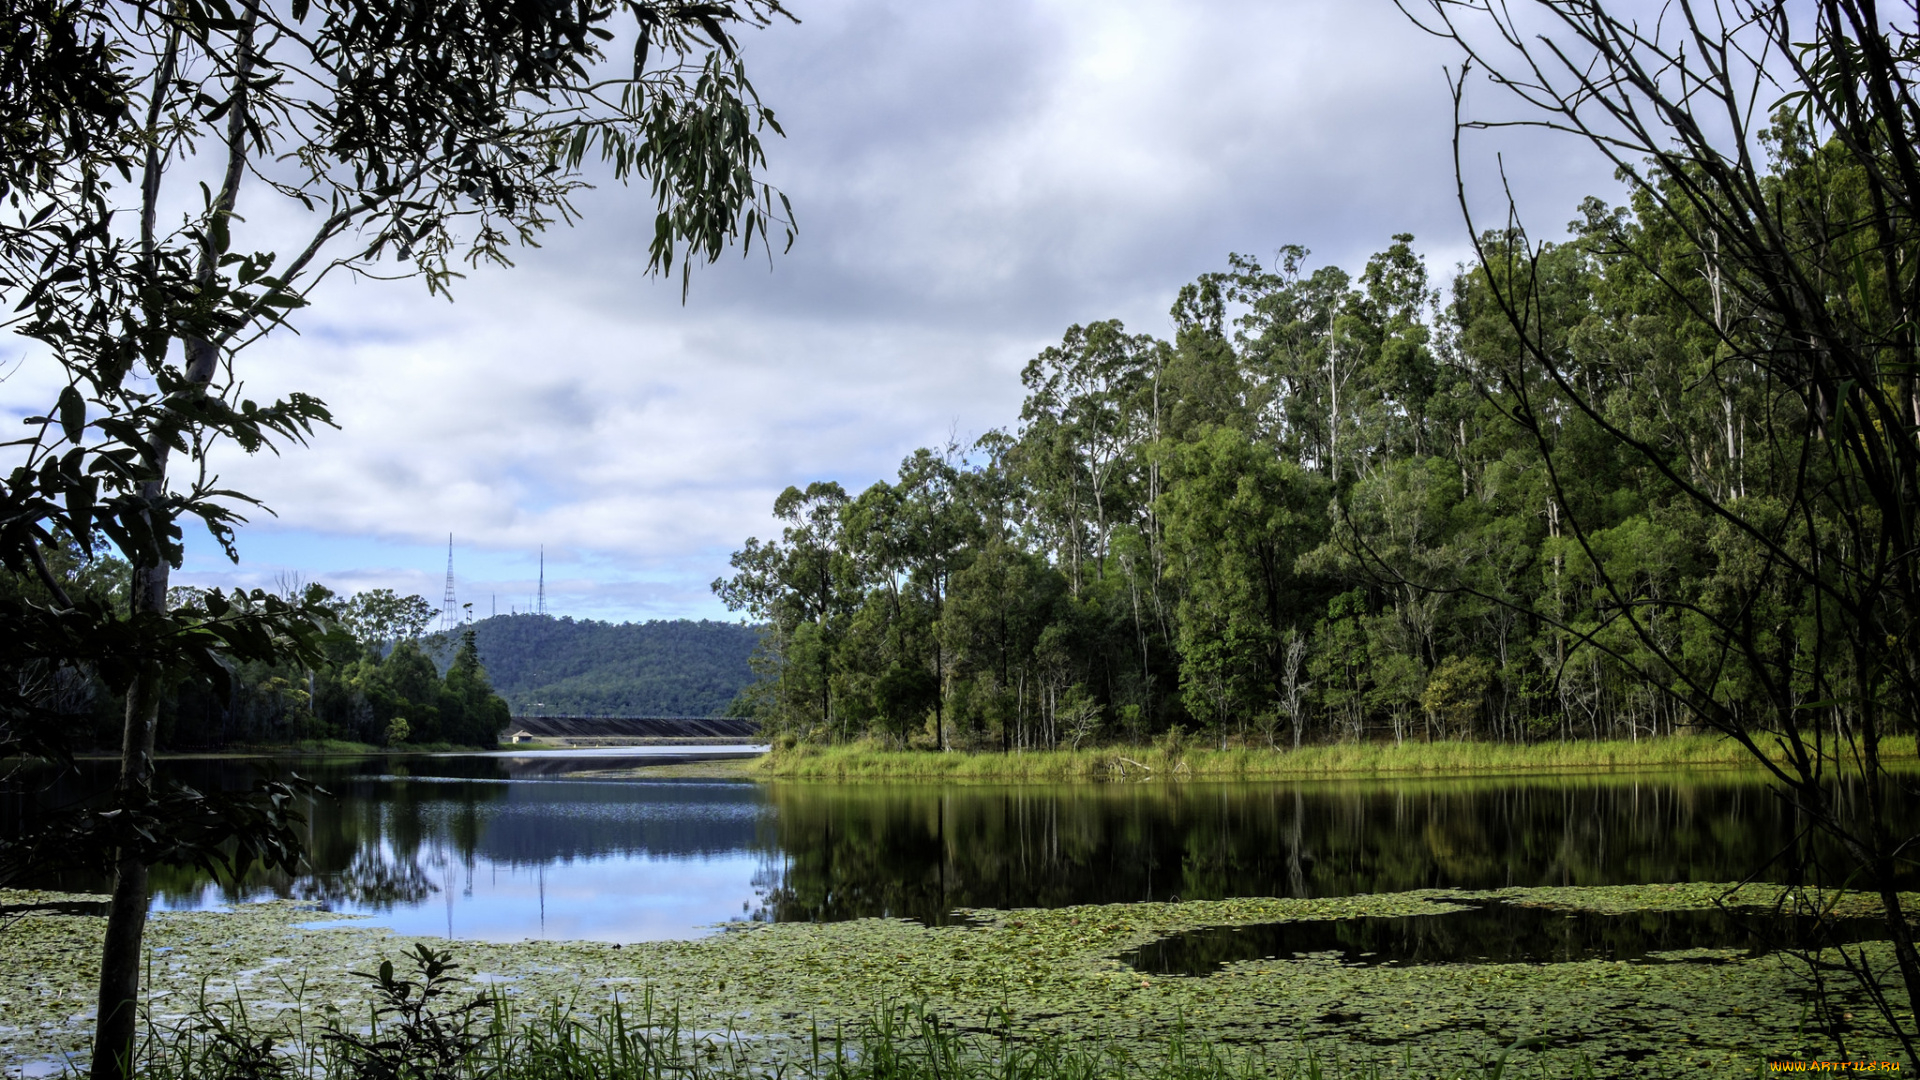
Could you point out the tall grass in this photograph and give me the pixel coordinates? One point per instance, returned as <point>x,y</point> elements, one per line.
<point>1170,759</point>
<point>421,1029</point>
<point>612,1044</point>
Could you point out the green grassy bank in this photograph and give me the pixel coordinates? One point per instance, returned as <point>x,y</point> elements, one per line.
<point>1159,762</point>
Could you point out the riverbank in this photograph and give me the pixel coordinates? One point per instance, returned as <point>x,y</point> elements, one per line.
<point>304,748</point>
<point>1163,762</point>
<point>349,748</point>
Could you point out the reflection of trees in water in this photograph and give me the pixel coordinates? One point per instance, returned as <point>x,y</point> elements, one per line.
<point>395,832</point>
<point>854,852</point>
<point>844,851</point>
<point>392,840</point>
<point>1498,934</point>
<point>374,842</point>
<point>381,844</point>
<point>368,881</point>
<point>768,878</point>
<point>849,852</point>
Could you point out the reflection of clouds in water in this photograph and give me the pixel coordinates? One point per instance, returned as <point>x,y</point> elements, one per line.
<point>626,860</point>
<point>607,899</point>
<point>595,860</point>
<point>616,860</point>
<point>195,898</point>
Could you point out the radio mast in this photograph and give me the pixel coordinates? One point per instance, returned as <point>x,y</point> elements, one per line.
<point>542,608</point>
<point>449,611</point>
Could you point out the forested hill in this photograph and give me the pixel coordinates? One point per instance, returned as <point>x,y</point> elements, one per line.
<point>582,667</point>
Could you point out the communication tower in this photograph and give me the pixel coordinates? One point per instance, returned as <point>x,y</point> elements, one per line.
<point>542,608</point>
<point>449,610</point>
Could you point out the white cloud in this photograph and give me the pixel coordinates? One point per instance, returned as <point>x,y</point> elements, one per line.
<point>969,180</point>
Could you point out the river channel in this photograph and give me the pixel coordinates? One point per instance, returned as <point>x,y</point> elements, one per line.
<point>558,845</point>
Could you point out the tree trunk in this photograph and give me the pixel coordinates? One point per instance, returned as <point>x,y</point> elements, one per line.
<point>118,1002</point>
<point>117,1016</point>
<point>1881,865</point>
<point>939,694</point>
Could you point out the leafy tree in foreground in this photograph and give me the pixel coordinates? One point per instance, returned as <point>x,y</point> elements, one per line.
<point>409,138</point>
<point>1794,282</point>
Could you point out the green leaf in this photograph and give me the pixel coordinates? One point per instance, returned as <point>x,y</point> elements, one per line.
<point>73,413</point>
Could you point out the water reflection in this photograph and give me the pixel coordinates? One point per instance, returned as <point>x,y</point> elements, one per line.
<point>1503,934</point>
<point>922,852</point>
<point>513,846</point>
<point>498,847</point>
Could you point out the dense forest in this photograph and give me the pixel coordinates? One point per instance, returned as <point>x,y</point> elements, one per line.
<point>564,666</point>
<point>375,681</point>
<point>380,665</point>
<point>370,691</point>
<point>1317,514</point>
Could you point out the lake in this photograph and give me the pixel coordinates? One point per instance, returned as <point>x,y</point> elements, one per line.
<point>584,845</point>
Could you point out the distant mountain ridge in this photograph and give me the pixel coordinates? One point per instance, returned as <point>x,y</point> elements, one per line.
<point>678,667</point>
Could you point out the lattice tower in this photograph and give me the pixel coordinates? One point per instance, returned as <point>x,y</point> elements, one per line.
<point>449,610</point>
<point>542,608</point>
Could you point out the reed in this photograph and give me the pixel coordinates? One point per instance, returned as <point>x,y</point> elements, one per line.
<point>422,1028</point>
<point>1174,759</point>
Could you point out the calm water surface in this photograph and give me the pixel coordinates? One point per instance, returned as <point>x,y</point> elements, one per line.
<point>509,846</point>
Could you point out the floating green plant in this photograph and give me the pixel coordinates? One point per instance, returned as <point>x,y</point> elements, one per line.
<point>1038,973</point>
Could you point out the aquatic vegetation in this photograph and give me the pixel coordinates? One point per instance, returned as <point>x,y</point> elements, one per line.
<point>640,1042</point>
<point>1042,974</point>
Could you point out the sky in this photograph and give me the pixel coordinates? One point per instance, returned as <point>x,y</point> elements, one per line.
<point>969,180</point>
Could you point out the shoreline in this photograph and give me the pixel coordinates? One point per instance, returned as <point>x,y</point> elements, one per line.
<point>339,749</point>
<point>1440,760</point>
<point>1436,761</point>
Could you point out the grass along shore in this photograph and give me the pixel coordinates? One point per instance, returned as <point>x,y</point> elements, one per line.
<point>486,1038</point>
<point>1166,760</point>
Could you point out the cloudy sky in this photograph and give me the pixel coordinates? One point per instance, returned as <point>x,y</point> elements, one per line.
<point>969,180</point>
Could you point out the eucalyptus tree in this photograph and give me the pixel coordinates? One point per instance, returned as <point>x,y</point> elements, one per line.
<point>804,586</point>
<point>1080,428</point>
<point>1204,380</point>
<point>889,661</point>
<point>1238,518</point>
<point>382,616</point>
<point>1001,603</point>
<point>1283,335</point>
<point>1772,153</point>
<point>1393,310</point>
<point>937,530</point>
<point>148,147</point>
